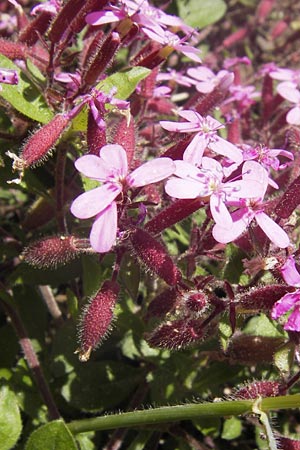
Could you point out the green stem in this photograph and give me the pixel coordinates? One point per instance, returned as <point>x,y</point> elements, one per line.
<point>181,412</point>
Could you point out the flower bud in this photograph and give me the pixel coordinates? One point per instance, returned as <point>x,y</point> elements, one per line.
<point>96,319</point>
<point>176,334</point>
<point>174,213</point>
<point>289,201</point>
<point>196,301</point>
<point>36,28</point>
<point>162,303</point>
<point>155,256</point>
<point>13,50</point>
<point>261,299</point>
<point>285,443</point>
<point>70,9</point>
<point>125,136</point>
<point>258,389</point>
<point>102,58</point>
<point>96,136</point>
<point>54,251</point>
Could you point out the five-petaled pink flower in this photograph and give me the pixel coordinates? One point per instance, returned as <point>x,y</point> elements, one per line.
<point>249,209</point>
<point>290,301</point>
<point>289,91</point>
<point>206,136</point>
<point>111,169</point>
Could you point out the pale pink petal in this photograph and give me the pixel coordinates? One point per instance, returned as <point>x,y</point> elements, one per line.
<point>289,92</point>
<point>184,169</point>
<point>151,172</point>
<point>274,232</point>
<point>246,189</point>
<point>225,148</point>
<point>102,17</point>
<point>182,188</point>
<point>289,272</point>
<point>115,156</point>
<point>253,171</point>
<point>179,127</point>
<point>194,151</point>
<point>93,167</point>
<point>293,322</point>
<point>205,87</point>
<point>201,73</point>
<point>293,116</point>
<point>284,304</point>
<point>104,230</point>
<point>94,201</point>
<point>189,51</point>
<point>241,220</point>
<point>191,116</point>
<point>219,211</point>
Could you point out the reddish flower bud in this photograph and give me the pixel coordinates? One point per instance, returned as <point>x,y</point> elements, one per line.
<point>36,28</point>
<point>289,201</point>
<point>285,443</point>
<point>267,98</point>
<point>97,318</point>
<point>125,136</point>
<point>174,213</point>
<point>40,143</point>
<point>196,301</point>
<point>235,38</point>
<point>261,299</point>
<point>258,389</point>
<point>148,56</point>
<point>263,9</point>
<point>251,349</point>
<point>162,303</point>
<point>13,50</point>
<point>54,251</point>
<point>63,19</point>
<point>279,29</point>
<point>96,136</point>
<point>155,256</point>
<point>102,58</point>
<point>176,334</point>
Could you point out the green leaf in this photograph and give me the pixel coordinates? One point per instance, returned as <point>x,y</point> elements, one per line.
<point>234,267</point>
<point>262,326</point>
<point>124,82</point>
<point>52,436</point>
<point>24,96</point>
<point>10,419</point>
<point>232,429</point>
<point>200,14</point>
<point>100,385</point>
<point>130,275</point>
<point>284,358</point>
<point>209,426</point>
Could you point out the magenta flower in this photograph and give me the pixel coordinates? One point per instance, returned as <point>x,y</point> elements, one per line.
<point>249,209</point>
<point>289,91</point>
<point>266,156</point>
<point>290,301</point>
<point>111,169</point>
<point>191,182</point>
<point>174,78</point>
<point>8,76</point>
<point>204,79</point>
<point>206,136</point>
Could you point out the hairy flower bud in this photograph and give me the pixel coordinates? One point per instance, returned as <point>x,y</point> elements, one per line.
<point>196,301</point>
<point>36,28</point>
<point>155,256</point>
<point>70,9</point>
<point>174,213</point>
<point>261,299</point>
<point>258,389</point>
<point>285,443</point>
<point>96,319</point>
<point>289,201</point>
<point>125,136</point>
<point>96,136</point>
<point>162,303</point>
<point>13,50</point>
<point>54,251</point>
<point>176,334</point>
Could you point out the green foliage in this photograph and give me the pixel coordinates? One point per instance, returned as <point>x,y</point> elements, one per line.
<point>10,418</point>
<point>52,436</point>
<point>25,97</point>
<point>200,14</point>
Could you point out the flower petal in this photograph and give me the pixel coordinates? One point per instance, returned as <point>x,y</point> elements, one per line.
<point>293,116</point>
<point>102,17</point>
<point>293,322</point>
<point>284,304</point>
<point>115,156</point>
<point>93,167</point>
<point>182,188</point>
<point>151,172</point>
<point>104,230</point>
<point>219,211</point>
<point>289,272</point>
<point>274,232</point>
<point>94,201</point>
<point>225,148</point>
<point>241,219</point>
<point>194,151</point>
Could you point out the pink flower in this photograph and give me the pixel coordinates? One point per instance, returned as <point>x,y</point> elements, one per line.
<point>290,92</point>
<point>206,136</point>
<point>204,78</point>
<point>173,76</point>
<point>290,301</point>
<point>191,182</point>
<point>8,76</point>
<point>266,156</point>
<point>111,169</point>
<point>249,209</point>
